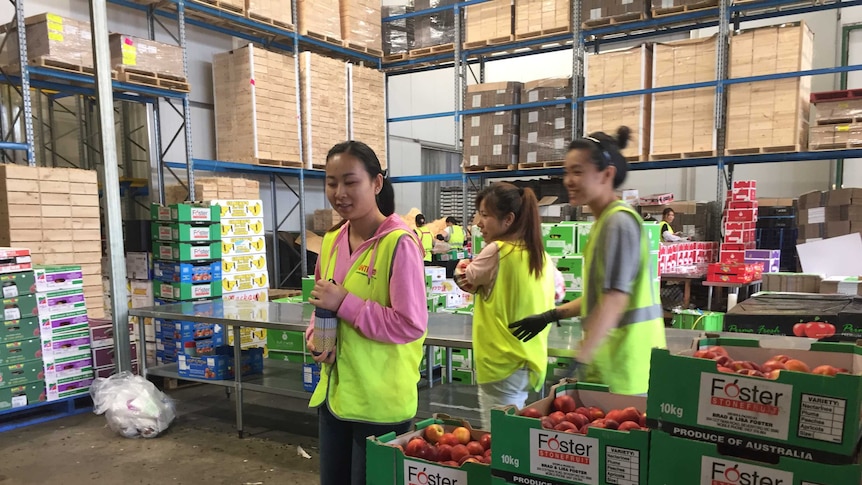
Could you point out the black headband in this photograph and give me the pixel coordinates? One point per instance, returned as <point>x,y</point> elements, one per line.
<point>605,154</point>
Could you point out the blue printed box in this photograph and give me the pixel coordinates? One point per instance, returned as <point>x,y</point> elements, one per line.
<point>220,365</point>
<point>170,272</point>
<point>181,330</point>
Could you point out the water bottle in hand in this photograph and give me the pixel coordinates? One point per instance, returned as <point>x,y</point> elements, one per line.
<point>324,335</point>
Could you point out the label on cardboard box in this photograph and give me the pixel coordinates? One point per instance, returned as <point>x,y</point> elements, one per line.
<point>232,209</point>
<point>426,473</point>
<point>245,282</point>
<point>738,404</point>
<point>243,245</point>
<point>719,471</point>
<point>242,227</point>
<point>53,278</point>
<point>567,456</point>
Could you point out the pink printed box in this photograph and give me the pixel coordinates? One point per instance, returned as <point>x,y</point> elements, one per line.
<point>63,323</point>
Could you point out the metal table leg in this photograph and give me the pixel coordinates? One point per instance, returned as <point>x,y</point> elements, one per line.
<point>429,365</point>
<point>449,365</point>
<point>709,298</point>
<point>237,373</point>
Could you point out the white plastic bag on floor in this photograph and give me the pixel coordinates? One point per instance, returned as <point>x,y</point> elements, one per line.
<point>132,404</point>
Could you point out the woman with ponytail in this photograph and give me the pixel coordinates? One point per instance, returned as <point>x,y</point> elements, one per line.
<point>620,307</point>
<point>512,277</point>
<point>370,273</point>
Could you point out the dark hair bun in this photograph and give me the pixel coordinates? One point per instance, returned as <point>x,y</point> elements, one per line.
<point>623,136</point>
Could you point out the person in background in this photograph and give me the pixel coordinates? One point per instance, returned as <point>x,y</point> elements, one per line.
<point>667,234</point>
<point>512,277</point>
<point>370,273</point>
<point>621,311</point>
<point>454,233</point>
<point>426,239</point>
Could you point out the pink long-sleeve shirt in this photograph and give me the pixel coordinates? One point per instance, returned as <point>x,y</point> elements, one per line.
<point>407,318</point>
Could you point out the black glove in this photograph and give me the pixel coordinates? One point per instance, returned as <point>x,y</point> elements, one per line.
<point>578,371</point>
<point>531,326</point>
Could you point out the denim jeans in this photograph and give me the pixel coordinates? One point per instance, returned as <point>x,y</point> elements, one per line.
<point>342,447</point>
<point>509,391</point>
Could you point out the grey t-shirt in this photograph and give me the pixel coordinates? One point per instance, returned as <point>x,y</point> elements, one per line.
<point>619,246</point>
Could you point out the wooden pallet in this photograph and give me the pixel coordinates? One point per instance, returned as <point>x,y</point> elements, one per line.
<point>396,57</point>
<point>505,39</point>
<point>637,158</point>
<point>275,23</point>
<point>318,166</point>
<point>543,33</point>
<point>676,10</point>
<point>443,48</point>
<point>836,146</point>
<point>223,6</point>
<point>490,168</point>
<point>839,121</point>
<point>276,294</point>
<point>324,38</point>
<point>152,79</point>
<point>358,46</point>
<point>428,51</point>
<point>657,157</point>
<point>614,20</point>
<point>758,150</point>
<point>536,165</point>
<point>275,163</point>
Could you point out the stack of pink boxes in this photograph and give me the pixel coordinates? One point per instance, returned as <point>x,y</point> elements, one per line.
<point>740,219</point>
<point>686,257</point>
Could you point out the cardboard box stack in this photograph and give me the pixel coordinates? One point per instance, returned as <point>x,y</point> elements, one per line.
<point>361,25</point>
<point>368,108</point>
<point>434,29</point>
<point>555,17</point>
<point>187,253</point>
<point>614,72</point>
<point>686,257</point>
<point>52,41</point>
<point>323,89</point>
<point>214,188</point>
<point>662,8</point>
<point>837,116</point>
<point>492,139</point>
<point>319,18</point>
<point>740,218</point>
<point>683,122</point>
<point>325,219</point>
<point>812,217</point>
<point>545,131</point>
<point>139,271</point>
<point>595,13</point>
<point>804,427</point>
<point>55,213</point>
<point>277,12</point>
<point>398,34</point>
<point>488,23</point>
<point>829,214</point>
<point>253,89</point>
<point>137,55</point>
<point>776,227</point>
<point>64,331</point>
<point>769,115</point>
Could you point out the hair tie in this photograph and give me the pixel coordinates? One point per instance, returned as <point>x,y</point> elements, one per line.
<point>385,173</point>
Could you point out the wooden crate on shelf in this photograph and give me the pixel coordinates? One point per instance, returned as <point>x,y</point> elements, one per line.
<point>683,122</point>
<point>539,19</point>
<point>135,54</point>
<point>215,188</point>
<point>663,8</point>
<point>320,19</point>
<point>255,102</point>
<point>53,41</point>
<point>769,116</point>
<point>273,12</point>
<point>369,108</point>
<point>323,85</point>
<point>488,23</point>
<point>361,26</point>
<point>614,72</point>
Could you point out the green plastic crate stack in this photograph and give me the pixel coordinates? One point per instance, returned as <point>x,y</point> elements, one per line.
<point>186,233</point>
<point>463,367</point>
<point>699,320</point>
<point>572,269</point>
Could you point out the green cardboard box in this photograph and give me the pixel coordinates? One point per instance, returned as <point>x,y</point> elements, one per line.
<point>186,291</point>
<point>428,282</point>
<point>185,232</point>
<point>387,465</point>
<point>463,377</point>
<point>584,230</point>
<point>16,308</point>
<point>560,239</point>
<point>23,329</point>
<point>806,416</point>
<point>678,461</point>
<point>22,373</point>
<point>20,351</point>
<point>601,457</point>
<point>559,368</point>
<point>22,395</point>
<point>438,358</point>
<point>572,295</point>
<point>16,284</point>
<point>478,242</point>
<point>462,359</point>
<point>285,340</point>
<point>186,212</point>
<point>653,233</point>
<point>178,251</point>
<point>436,303</point>
<point>292,357</point>
<point>307,285</point>
<point>572,268</point>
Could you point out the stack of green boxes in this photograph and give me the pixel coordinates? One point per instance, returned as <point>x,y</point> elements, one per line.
<point>22,374</point>
<point>288,346</point>
<point>565,242</point>
<point>463,367</point>
<point>653,233</point>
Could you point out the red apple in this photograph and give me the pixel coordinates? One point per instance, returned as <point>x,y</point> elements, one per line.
<point>628,426</point>
<point>448,439</point>
<point>433,433</point>
<point>566,426</point>
<point>458,453</point>
<point>463,435</point>
<point>415,447</point>
<point>531,413</point>
<point>557,417</point>
<point>565,404</point>
<point>577,419</point>
<point>475,448</point>
<point>428,453</point>
<point>485,440</point>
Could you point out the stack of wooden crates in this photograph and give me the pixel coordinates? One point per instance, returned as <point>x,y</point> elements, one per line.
<point>319,19</point>
<point>277,12</point>
<point>361,25</point>
<point>838,118</point>
<point>540,18</point>
<point>488,23</point>
<point>215,188</point>
<point>54,212</point>
<point>769,116</point>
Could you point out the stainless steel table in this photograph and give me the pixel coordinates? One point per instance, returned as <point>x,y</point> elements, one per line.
<point>732,287</point>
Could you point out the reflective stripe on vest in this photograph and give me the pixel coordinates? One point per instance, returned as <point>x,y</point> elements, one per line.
<point>622,360</point>
<point>367,372</point>
<point>516,294</point>
<point>456,237</point>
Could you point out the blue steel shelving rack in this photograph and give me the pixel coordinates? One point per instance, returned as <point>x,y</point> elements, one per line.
<point>725,16</point>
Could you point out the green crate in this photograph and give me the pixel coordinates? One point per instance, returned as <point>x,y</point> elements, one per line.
<point>463,377</point>
<point>292,357</point>
<point>22,395</point>
<point>16,284</point>
<point>20,351</point>
<point>185,232</point>
<point>436,303</point>
<point>572,269</point>
<point>186,251</point>
<point>285,340</point>
<point>186,212</point>
<point>462,359</point>
<point>584,230</point>
<point>560,239</point>
<point>22,373</point>
<point>698,320</point>
<point>186,291</point>
<point>23,306</point>
<point>23,329</point>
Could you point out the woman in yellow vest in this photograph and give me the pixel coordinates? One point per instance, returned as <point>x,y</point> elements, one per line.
<point>454,233</point>
<point>426,239</point>
<point>621,312</point>
<point>370,273</point>
<point>512,278</point>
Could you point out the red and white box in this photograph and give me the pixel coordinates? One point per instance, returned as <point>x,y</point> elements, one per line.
<point>739,226</point>
<point>740,237</point>
<point>14,260</point>
<point>656,199</point>
<point>742,215</point>
<point>739,195</point>
<point>745,184</point>
<point>731,257</point>
<point>742,204</point>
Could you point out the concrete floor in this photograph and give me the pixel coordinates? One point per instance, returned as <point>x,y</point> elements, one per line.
<point>200,447</point>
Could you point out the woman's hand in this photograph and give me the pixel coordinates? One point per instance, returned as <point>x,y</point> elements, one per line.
<point>327,295</point>
<point>321,358</point>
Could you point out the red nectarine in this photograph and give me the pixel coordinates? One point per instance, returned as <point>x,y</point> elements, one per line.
<point>797,366</point>
<point>463,435</point>
<point>628,426</point>
<point>578,419</point>
<point>557,417</point>
<point>565,426</point>
<point>414,446</point>
<point>444,452</point>
<point>825,370</point>
<point>459,452</point>
<point>565,403</point>
<point>448,439</point>
<point>475,448</point>
<point>530,413</point>
<point>433,433</point>
<point>485,440</point>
